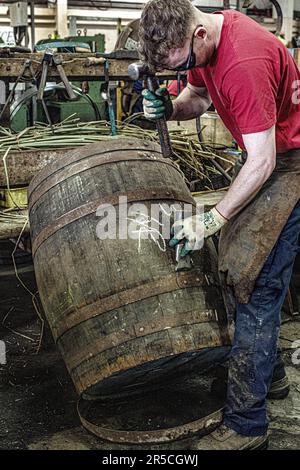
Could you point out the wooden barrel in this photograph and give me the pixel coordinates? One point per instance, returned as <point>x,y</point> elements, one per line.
<point>116,307</point>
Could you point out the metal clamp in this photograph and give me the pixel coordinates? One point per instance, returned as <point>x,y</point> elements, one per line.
<point>57,61</point>
<point>47,59</point>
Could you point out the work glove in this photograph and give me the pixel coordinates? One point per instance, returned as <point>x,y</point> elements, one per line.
<point>158,105</point>
<point>195,229</point>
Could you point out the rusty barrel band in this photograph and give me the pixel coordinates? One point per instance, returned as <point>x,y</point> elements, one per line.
<point>176,281</point>
<point>155,436</point>
<point>40,180</point>
<point>139,330</point>
<point>80,153</point>
<point>83,165</point>
<point>94,375</point>
<point>90,207</point>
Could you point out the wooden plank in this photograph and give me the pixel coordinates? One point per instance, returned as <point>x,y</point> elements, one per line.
<point>11,228</point>
<point>76,69</point>
<point>23,166</point>
<point>74,66</point>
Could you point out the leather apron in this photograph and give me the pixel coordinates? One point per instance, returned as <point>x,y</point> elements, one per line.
<point>248,238</point>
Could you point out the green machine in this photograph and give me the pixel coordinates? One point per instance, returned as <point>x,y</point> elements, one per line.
<point>87,107</point>
<point>96,42</point>
<point>89,104</point>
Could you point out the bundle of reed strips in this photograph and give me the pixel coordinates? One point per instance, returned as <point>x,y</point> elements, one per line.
<point>194,158</point>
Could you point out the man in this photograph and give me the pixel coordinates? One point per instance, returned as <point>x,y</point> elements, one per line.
<point>254,84</point>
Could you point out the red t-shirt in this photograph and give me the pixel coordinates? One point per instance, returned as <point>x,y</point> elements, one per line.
<point>173,87</point>
<point>253,82</point>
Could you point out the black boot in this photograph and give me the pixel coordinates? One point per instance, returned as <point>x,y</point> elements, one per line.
<point>280,386</point>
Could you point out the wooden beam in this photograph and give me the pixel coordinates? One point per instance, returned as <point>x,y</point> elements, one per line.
<point>23,166</point>
<point>11,228</point>
<point>74,66</point>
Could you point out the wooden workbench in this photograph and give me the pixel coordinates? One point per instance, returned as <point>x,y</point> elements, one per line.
<point>74,66</point>
<point>22,166</point>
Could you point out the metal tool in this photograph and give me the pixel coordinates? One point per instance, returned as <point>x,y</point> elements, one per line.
<point>139,71</point>
<point>183,264</point>
<point>57,61</point>
<point>47,59</point>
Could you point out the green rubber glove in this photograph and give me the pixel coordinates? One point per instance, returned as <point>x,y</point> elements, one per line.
<point>195,229</point>
<point>158,105</point>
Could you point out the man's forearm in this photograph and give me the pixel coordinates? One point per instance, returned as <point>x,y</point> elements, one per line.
<point>260,164</point>
<point>189,105</point>
<point>245,187</point>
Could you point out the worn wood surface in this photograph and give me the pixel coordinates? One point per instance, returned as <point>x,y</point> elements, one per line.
<point>76,271</point>
<point>11,228</point>
<point>74,66</point>
<point>23,166</point>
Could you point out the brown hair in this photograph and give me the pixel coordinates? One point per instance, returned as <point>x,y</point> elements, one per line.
<point>164,25</point>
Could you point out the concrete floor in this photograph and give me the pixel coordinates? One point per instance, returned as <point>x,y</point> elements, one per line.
<point>38,401</point>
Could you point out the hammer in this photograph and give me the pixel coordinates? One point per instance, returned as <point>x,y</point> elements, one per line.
<point>140,71</point>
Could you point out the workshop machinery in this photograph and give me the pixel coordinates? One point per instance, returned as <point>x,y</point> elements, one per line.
<point>36,97</point>
<point>61,99</point>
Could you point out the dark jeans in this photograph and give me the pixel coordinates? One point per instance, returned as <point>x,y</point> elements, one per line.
<point>254,350</point>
